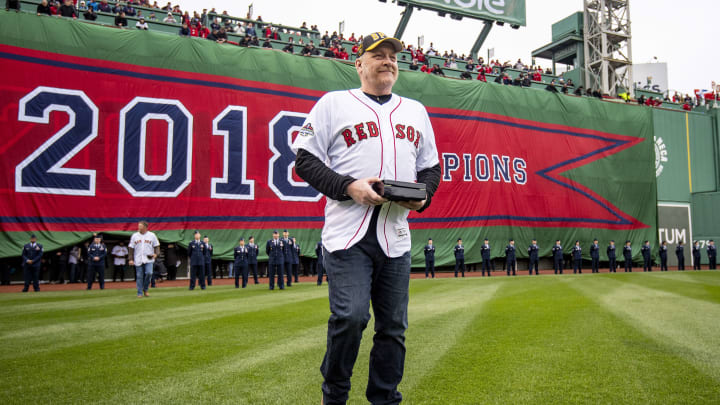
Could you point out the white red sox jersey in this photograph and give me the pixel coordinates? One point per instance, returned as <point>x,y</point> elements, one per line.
<point>355,136</point>
<point>144,246</point>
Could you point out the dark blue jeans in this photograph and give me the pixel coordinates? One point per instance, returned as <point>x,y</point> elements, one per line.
<point>356,277</point>
<point>31,274</point>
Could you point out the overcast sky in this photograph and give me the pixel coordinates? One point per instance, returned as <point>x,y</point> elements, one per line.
<point>681,33</point>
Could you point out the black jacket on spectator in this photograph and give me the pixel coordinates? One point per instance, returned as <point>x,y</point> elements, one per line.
<point>89,15</point>
<point>14,4</point>
<point>43,9</point>
<point>551,88</point>
<point>184,31</point>
<point>122,21</point>
<point>329,53</point>
<point>267,44</point>
<point>288,48</point>
<point>68,11</point>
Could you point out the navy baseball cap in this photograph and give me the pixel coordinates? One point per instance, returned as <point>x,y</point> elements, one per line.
<point>33,236</point>
<point>241,239</point>
<point>372,41</point>
<point>196,231</point>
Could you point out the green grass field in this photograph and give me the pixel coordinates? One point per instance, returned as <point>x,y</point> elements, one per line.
<point>607,338</point>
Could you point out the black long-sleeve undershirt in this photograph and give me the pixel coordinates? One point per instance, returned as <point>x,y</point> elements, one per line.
<point>334,185</point>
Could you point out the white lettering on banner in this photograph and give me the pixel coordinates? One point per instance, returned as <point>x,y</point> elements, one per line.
<point>493,6</point>
<point>494,168</point>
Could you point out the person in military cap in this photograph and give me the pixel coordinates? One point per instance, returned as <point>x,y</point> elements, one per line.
<point>577,258</point>
<point>31,261</point>
<point>276,258</point>
<point>196,255</point>
<point>680,254</point>
<point>627,255</point>
<point>611,254</point>
<point>696,255</point>
<point>241,263</point>
<point>595,256</point>
<point>533,259</point>
<point>96,262</point>
<point>557,252</point>
<point>647,256</point>
<point>287,249</point>
<point>712,254</point>
<point>510,257</point>
<point>663,256</point>
<point>459,257</point>
<point>429,258</point>
<point>253,251</point>
<point>486,259</point>
<point>208,260</point>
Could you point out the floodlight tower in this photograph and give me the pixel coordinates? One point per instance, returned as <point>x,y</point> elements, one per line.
<point>608,46</point>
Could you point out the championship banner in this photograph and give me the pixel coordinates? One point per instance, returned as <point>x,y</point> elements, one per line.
<point>95,142</point>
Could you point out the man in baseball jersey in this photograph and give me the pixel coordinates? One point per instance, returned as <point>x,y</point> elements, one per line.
<point>351,140</point>
<point>144,248</point>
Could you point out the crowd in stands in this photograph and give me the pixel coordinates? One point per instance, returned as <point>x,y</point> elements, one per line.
<point>255,32</point>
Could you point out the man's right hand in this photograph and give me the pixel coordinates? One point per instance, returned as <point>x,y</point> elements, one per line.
<point>362,192</point>
<point>131,262</point>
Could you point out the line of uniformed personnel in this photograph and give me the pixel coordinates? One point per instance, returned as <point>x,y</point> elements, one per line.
<point>576,255</point>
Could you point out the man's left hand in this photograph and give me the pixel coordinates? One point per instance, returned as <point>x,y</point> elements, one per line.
<point>412,205</point>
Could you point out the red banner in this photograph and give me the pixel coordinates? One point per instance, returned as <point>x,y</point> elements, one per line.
<point>94,145</point>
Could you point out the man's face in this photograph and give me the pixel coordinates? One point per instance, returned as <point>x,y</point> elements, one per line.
<point>612,243</point>
<point>97,241</point>
<point>206,239</point>
<point>142,228</point>
<point>242,243</point>
<point>285,235</point>
<point>276,236</point>
<point>197,236</point>
<point>512,243</point>
<point>460,242</point>
<point>378,67</point>
<point>251,240</point>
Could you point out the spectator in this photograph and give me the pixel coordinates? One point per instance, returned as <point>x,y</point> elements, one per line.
<point>470,65</point>
<point>82,6</point>
<point>518,80</point>
<point>519,65</point>
<point>436,70</point>
<point>481,76</point>
<point>525,79</point>
<point>506,79</point>
<point>120,20</point>
<point>12,4</point>
<point>203,32</point>
<point>431,50</point>
<point>152,17</point>
<point>326,38</point>
<point>104,7</point>
<point>194,31</point>
<point>185,18</point>
<point>168,7</point>
<point>68,9</point>
<point>170,19</point>
<point>250,31</point>
<point>465,75</point>
<point>54,7</point>
<point>289,47</point>
<point>43,8</point>
<point>221,36</point>
<point>343,54</point>
<point>267,44</point>
<point>426,68</point>
<point>352,38</point>
<point>537,76</point>
<point>92,4</point>
<point>499,79</point>
<point>90,14</point>
<point>578,91</point>
<point>414,65</point>
<point>215,24</point>
<point>551,87</point>
<point>597,94</point>
<point>141,24</point>
<point>184,31</point>
<point>548,71</point>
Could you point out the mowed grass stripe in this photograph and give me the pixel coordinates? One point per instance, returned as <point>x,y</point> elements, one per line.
<point>81,332</point>
<point>90,372</point>
<point>540,341</point>
<point>288,371</point>
<point>105,303</point>
<point>688,327</point>
<point>689,287</point>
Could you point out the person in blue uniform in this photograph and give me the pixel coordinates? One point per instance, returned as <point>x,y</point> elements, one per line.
<point>241,255</point>
<point>712,255</point>
<point>459,257</point>
<point>646,251</point>
<point>510,257</point>
<point>663,256</point>
<point>577,258</point>
<point>96,262</point>
<point>533,259</point>
<point>295,259</point>
<point>557,252</point>
<point>276,259</point>
<point>611,254</point>
<point>287,256</point>
<point>696,256</point>
<point>208,260</point>
<point>429,258</point>
<point>319,264</point>
<point>627,255</point>
<point>253,251</point>
<point>31,261</point>
<point>196,256</point>
<point>595,256</point>
<point>680,254</point>
<point>486,260</point>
